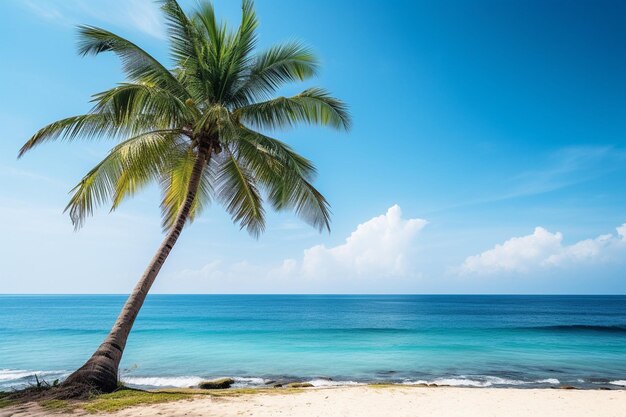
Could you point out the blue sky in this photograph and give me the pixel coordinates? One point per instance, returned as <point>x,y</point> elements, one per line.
<point>488,153</point>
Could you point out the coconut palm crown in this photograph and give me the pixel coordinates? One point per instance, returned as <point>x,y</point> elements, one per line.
<point>195,129</point>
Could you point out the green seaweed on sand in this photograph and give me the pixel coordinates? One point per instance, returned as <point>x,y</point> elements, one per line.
<point>56,405</point>
<point>5,401</point>
<point>126,398</point>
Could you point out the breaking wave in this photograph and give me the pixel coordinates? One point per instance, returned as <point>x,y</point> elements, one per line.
<point>481,381</point>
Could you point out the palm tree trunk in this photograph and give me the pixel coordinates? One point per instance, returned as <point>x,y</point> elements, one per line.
<point>100,372</point>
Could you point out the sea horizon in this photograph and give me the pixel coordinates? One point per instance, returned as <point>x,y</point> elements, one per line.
<point>322,293</point>
<point>525,341</point>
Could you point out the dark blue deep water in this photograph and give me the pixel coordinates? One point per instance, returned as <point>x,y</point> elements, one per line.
<point>526,341</point>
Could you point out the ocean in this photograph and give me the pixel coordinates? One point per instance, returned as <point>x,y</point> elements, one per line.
<point>462,340</point>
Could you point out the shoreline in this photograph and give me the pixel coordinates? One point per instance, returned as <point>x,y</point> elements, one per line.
<point>373,401</point>
<point>146,382</point>
<point>154,383</point>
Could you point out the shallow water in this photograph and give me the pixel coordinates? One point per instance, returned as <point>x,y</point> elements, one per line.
<point>524,341</point>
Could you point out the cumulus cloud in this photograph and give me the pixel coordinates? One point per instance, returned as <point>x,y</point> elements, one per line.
<point>378,246</point>
<point>377,249</point>
<point>543,249</point>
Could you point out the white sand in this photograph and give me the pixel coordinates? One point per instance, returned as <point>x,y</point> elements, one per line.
<point>394,402</point>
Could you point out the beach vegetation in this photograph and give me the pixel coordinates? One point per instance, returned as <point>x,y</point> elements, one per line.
<point>56,405</point>
<point>126,398</point>
<point>5,400</point>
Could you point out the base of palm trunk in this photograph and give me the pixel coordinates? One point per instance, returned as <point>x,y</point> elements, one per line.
<point>97,375</point>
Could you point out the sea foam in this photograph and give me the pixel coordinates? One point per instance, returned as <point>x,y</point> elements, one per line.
<point>187,381</point>
<point>160,381</point>
<point>331,383</point>
<point>480,381</point>
<point>16,374</point>
<point>552,381</point>
<point>249,382</point>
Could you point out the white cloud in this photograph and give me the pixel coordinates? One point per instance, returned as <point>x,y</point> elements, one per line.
<point>377,250</point>
<point>544,249</point>
<point>140,15</point>
<point>377,247</point>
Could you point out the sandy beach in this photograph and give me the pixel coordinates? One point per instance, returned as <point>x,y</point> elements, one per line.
<point>395,401</point>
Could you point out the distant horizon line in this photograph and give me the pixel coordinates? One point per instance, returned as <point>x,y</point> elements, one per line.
<point>319,294</point>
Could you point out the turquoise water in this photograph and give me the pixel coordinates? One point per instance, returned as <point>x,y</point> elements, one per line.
<point>525,341</point>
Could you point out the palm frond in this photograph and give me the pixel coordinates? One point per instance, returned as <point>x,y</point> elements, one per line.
<point>128,167</point>
<point>290,62</point>
<point>175,181</point>
<point>250,142</point>
<point>216,32</point>
<point>236,188</point>
<point>188,49</point>
<point>245,39</point>
<point>196,43</point>
<point>313,106</point>
<point>286,176</point>
<point>128,101</point>
<point>138,65</point>
<point>86,126</point>
<point>236,57</point>
<point>221,47</point>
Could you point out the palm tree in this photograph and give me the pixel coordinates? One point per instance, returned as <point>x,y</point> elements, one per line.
<point>195,130</point>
